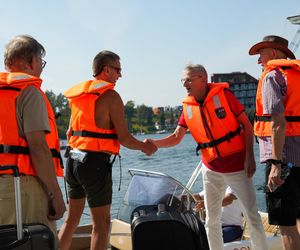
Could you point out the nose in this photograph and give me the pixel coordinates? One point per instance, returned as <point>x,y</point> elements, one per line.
<point>259,60</point>
<point>185,83</point>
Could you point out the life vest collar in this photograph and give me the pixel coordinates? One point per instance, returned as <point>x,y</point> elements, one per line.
<point>19,79</point>
<point>213,88</point>
<point>284,63</point>
<point>88,87</point>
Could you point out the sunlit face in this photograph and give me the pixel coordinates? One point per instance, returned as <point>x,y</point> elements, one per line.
<point>266,55</point>
<point>195,84</point>
<point>114,71</point>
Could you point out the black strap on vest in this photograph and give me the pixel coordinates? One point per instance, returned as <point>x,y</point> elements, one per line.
<point>9,149</point>
<point>85,133</point>
<point>268,118</point>
<point>216,142</point>
<point>10,88</point>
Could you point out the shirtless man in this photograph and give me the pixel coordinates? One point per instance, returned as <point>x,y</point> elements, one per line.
<point>97,128</point>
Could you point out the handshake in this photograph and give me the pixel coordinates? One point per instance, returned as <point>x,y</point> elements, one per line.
<point>149,147</point>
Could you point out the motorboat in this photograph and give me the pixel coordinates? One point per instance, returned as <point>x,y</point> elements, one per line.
<point>153,188</point>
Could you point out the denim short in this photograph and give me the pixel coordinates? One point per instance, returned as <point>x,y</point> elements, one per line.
<point>283,204</point>
<point>91,179</point>
<point>231,233</point>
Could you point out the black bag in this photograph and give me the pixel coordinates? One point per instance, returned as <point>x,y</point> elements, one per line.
<point>28,236</point>
<point>161,228</point>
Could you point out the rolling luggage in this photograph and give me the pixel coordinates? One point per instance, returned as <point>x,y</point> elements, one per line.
<point>24,236</point>
<point>163,228</point>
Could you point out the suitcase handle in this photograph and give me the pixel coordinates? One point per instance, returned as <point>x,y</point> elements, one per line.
<point>14,168</point>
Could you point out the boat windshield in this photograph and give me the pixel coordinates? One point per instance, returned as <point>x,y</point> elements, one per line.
<point>153,188</point>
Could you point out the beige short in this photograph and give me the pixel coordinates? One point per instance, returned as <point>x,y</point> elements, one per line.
<point>33,199</point>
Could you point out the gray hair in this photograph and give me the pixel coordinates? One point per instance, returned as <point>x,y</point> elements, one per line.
<point>197,68</point>
<point>22,47</point>
<point>102,59</point>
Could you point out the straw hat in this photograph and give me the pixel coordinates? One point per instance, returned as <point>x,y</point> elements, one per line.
<point>274,42</point>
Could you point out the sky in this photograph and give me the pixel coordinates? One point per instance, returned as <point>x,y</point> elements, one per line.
<point>155,39</point>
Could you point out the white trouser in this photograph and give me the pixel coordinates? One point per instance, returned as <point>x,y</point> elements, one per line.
<point>215,184</point>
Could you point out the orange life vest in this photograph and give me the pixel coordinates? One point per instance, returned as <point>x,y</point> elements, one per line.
<point>85,133</point>
<point>13,148</point>
<point>213,125</point>
<point>291,70</point>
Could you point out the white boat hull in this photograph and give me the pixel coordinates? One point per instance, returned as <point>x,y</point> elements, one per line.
<point>121,239</point>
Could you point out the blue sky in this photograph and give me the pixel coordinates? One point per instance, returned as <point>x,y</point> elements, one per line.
<point>155,39</point>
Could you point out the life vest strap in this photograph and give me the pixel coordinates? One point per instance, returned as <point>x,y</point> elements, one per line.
<point>268,118</point>
<point>10,149</point>
<point>216,142</point>
<point>10,88</point>
<point>84,133</point>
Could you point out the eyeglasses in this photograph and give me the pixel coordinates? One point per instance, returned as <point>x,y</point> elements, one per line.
<point>43,63</point>
<point>189,80</point>
<point>117,69</point>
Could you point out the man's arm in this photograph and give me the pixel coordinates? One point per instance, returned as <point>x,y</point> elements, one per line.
<point>278,125</point>
<point>69,131</point>
<point>170,140</point>
<point>117,115</point>
<point>249,164</point>
<point>228,199</point>
<point>42,161</point>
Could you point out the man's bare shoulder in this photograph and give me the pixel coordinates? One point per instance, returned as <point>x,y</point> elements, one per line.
<point>110,94</point>
<point>109,97</point>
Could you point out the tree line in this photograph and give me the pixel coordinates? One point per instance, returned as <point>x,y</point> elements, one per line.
<point>140,118</point>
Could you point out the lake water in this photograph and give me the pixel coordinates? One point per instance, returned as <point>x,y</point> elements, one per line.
<point>178,162</point>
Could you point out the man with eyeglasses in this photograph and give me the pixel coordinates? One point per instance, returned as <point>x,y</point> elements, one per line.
<point>28,137</point>
<point>224,135</point>
<point>97,128</point>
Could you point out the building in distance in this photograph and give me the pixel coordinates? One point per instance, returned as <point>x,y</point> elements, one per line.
<point>241,84</point>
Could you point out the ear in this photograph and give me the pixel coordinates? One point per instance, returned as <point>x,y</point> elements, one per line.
<point>274,53</point>
<point>32,63</point>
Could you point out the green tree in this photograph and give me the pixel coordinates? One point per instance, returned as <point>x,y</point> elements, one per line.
<point>129,113</point>
<point>60,106</point>
<point>144,117</point>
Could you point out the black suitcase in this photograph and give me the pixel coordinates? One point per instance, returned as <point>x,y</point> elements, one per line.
<point>164,228</point>
<point>28,236</point>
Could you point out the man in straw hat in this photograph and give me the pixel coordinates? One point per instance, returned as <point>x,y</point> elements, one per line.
<point>277,126</point>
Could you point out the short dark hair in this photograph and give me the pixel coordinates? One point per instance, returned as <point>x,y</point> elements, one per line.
<point>102,59</point>
<point>22,47</point>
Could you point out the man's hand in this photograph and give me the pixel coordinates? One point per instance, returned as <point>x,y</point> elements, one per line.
<point>57,208</point>
<point>250,167</point>
<point>274,177</point>
<point>149,147</point>
<point>199,206</point>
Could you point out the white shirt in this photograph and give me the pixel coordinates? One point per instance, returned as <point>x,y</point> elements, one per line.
<point>232,213</point>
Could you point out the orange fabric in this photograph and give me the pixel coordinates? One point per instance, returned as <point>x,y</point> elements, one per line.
<point>205,125</point>
<point>291,70</point>
<point>82,101</point>
<point>8,123</point>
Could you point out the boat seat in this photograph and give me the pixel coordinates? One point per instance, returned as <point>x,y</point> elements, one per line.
<point>270,230</point>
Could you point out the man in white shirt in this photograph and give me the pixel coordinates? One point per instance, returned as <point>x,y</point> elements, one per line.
<point>231,219</point>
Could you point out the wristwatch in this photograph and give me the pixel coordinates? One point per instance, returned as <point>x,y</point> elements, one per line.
<point>273,161</point>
